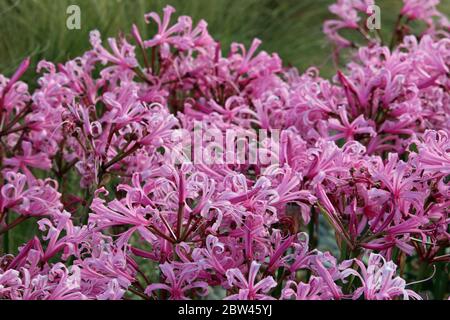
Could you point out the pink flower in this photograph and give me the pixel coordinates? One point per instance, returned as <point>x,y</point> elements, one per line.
<point>106,270</point>
<point>28,159</point>
<point>328,275</point>
<point>164,32</point>
<point>122,53</point>
<point>348,12</point>
<point>179,281</point>
<point>176,35</point>
<point>250,289</point>
<point>27,277</point>
<point>117,213</point>
<point>35,198</point>
<point>9,85</point>
<point>420,10</point>
<point>434,155</point>
<point>379,281</point>
<point>315,289</point>
<point>347,130</point>
<point>214,256</point>
<point>395,177</point>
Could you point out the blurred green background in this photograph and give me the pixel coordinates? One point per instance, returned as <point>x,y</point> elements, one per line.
<point>293,28</point>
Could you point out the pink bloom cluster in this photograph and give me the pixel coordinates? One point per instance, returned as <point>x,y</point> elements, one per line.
<point>87,157</point>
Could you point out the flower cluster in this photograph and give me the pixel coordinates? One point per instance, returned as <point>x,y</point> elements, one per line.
<point>363,159</point>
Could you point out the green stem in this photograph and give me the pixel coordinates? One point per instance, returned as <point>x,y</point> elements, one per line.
<point>313,228</point>
<point>121,156</point>
<point>422,275</point>
<point>180,216</point>
<point>13,224</point>
<point>396,32</point>
<point>337,225</point>
<point>6,238</point>
<point>88,197</point>
<point>139,293</point>
<point>348,287</point>
<point>17,118</point>
<point>441,282</point>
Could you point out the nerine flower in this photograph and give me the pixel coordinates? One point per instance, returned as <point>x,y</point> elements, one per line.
<point>420,10</point>
<point>379,281</point>
<point>250,288</point>
<point>315,289</point>
<point>178,281</point>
